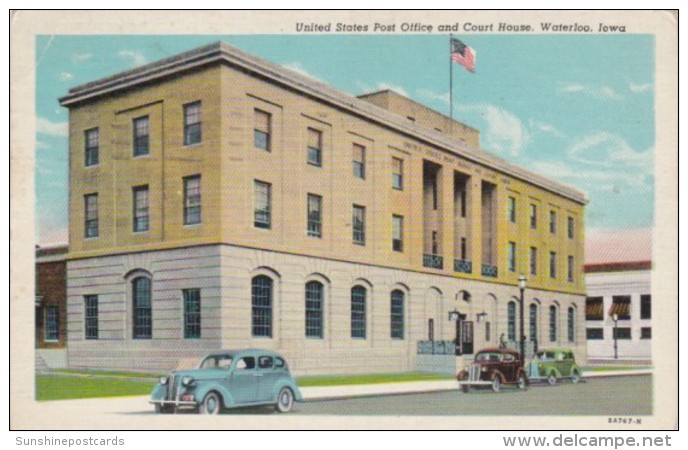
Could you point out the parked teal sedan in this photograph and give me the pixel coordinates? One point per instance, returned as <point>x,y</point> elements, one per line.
<point>554,364</point>
<point>229,379</point>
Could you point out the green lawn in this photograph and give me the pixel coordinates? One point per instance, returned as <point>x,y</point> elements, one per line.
<point>62,387</point>
<point>612,368</point>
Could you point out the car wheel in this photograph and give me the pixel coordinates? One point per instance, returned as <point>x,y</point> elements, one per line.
<point>163,409</point>
<point>496,383</point>
<point>211,404</point>
<point>464,389</point>
<point>522,381</point>
<point>285,400</point>
<point>575,377</point>
<point>552,379</point>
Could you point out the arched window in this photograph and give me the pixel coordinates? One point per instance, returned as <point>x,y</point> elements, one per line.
<point>511,320</point>
<point>397,314</point>
<point>261,306</point>
<point>142,308</point>
<point>553,323</point>
<point>571,324</point>
<point>314,309</point>
<point>358,312</point>
<point>532,324</point>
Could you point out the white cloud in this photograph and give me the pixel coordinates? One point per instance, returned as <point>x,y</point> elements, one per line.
<point>504,132</point>
<point>597,178</point>
<point>45,126</point>
<point>609,150</point>
<point>77,58</point>
<point>298,68</point>
<point>382,86</point>
<point>40,145</point>
<point>434,96</point>
<point>136,57</point>
<point>597,92</point>
<point>637,88</point>
<point>545,128</point>
<point>65,76</point>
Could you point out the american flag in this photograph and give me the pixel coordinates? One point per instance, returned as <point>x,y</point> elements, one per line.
<point>463,54</point>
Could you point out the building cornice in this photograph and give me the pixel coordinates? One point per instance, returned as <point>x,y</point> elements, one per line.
<point>618,267</point>
<point>220,52</point>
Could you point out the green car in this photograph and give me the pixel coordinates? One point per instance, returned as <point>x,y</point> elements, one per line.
<point>552,365</point>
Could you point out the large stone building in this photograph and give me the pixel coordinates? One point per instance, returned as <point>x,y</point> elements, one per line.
<point>218,200</point>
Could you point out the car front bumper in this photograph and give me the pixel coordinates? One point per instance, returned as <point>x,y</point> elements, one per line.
<point>175,403</point>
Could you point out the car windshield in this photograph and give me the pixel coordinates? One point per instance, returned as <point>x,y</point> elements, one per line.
<point>545,355</point>
<point>490,356</point>
<point>216,362</point>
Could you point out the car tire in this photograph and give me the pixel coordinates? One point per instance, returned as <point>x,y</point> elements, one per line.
<point>285,400</point>
<point>575,377</point>
<point>496,383</point>
<point>552,379</point>
<point>522,382</point>
<point>464,389</point>
<point>163,409</point>
<point>212,404</point>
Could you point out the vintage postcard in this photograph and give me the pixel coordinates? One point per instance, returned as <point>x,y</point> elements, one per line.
<point>344,219</point>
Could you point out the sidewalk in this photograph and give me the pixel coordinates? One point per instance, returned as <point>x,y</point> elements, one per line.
<point>414,387</point>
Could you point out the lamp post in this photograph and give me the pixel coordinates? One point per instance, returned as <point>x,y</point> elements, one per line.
<point>615,318</point>
<point>522,288</point>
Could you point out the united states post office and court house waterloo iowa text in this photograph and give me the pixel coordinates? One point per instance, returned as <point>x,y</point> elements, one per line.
<point>217,200</point>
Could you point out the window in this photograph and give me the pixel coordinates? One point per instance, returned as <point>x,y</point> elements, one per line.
<point>261,306</point>
<point>646,306</point>
<point>192,313</point>
<point>553,323</point>
<point>511,321</point>
<point>358,312</point>
<point>594,334</point>
<point>265,362</point>
<point>533,320</point>
<point>262,193</point>
<point>91,215</point>
<point>533,216</point>
<point>143,320</point>
<point>314,309</point>
<point>397,233</point>
<point>314,147</point>
<point>140,200</point>
<point>141,136</point>
<point>359,154</point>
<point>462,199</point>
<point>512,256</point>
<point>398,173</point>
<point>533,260</point>
<point>569,270</point>
<point>434,243</point>
<point>511,212</point>
<point>464,249</point>
<point>359,225</point>
<point>570,228</point>
<point>621,306</point>
<point>262,129</point>
<point>621,333</point>
<point>91,145</point>
<point>594,308</point>
<point>192,200</point>
<point>435,194</point>
<point>91,317</point>
<point>552,264</point>
<point>571,320</point>
<point>397,314</point>
<point>314,215</point>
<point>431,330</point>
<point>246,363</point>
<point>553,222</point>
<point>192,123</point>
<point>488,334</point>
<point>52,324</point>
<point>646,333</point>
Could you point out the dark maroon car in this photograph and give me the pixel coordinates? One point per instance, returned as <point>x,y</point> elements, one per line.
<point>493,367</point>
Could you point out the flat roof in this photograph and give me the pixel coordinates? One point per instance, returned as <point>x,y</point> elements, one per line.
<point>220,52</point>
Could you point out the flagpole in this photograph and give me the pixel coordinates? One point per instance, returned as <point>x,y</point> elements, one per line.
<point>451,87</point>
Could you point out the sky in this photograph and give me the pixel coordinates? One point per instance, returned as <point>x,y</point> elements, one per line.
<point>576,108</point>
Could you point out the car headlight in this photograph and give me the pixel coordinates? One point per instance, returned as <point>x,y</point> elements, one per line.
<point>163,380</point>
<point>186,381</point>
<point>484,369</point>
